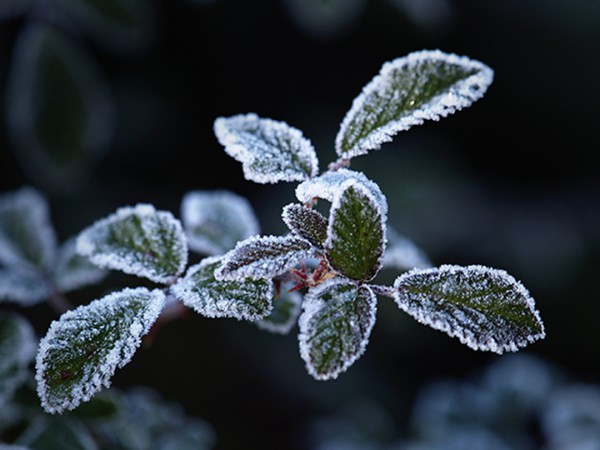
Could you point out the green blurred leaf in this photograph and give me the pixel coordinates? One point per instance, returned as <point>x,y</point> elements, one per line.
<point>57,433</point>
<point>24,287</point>
<point>73,271</point>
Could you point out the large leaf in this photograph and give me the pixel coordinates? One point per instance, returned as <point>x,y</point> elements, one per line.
<point>27,237</point>
<point>264,257</point>
<point>270,151</point>
<point>137,240</point>
<point>59,108</point>
<point>81,351</point>
<point>215,221</point>
<point>424,85</point>
<point>335,326</point>
<point>306,222</point>
<point>240,299</point>
<point>356,234</point>
<point>486,309</point>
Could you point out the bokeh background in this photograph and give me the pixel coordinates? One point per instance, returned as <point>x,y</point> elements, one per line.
<point>511,182</point>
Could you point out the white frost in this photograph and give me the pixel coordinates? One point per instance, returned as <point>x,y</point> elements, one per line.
<point>285,313</point>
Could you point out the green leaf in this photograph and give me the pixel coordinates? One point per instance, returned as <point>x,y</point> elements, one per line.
<point>245,299</point>
<point>285,313</point>
<point>486,309</point>
<point>139,241</point>
<point>425,85</point>
<point>61,115</point>
<point>81,351</point>
<point>57,433</point>
<point>270,151</point>
<point>307,223</point>
<point>356,234</point>
<point>335,326</point>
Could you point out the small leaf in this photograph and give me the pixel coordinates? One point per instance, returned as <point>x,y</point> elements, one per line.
<point>216,221</point>
<point>264,257</point>
<point>425,85</point>
<point>81,351</point>
<point>356,234</point>
<point>24,287</point>
<point>402,254</point>
<point>27,237</point>
<point>270,151</point>
<point>335,326</point>
<point>245,299</point>
<point>306,223</point>
<point>486,309</point>
<point>285,313</point>
<point>73,271</point>
<point>139,241</point>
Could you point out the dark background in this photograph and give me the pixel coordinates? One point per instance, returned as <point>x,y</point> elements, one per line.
<point>511,182</point>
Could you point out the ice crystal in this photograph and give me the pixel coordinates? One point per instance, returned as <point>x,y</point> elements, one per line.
<point>424,85</point>
<point>73,271</point>
<point>243,299</point>
<point>306,223</point>
<point>81,351</point>
<point>335,326</point>
<point>270,151</point>
<point>215,221</point>
<point>486,309</point>
<point>285,313</point>
<point>139,241</point>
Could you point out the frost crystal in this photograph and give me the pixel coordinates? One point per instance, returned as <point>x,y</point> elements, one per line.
<point>270,151</point>
<point>139,241</point>
<point>285,313</point>
<point>80,352</point>
<point>486,309</point>
<point>264,257</point>
<point>243,300</point>
<point>425,85</point>
<point>215,221</point>
<point>335,326</point>
<point>73,271</point>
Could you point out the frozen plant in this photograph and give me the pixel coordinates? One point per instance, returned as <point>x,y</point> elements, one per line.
<point>329,261</point>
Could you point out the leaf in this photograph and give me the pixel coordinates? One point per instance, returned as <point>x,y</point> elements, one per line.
<point>73,271</point>
<point>328,186</point>
<point>356,234</point>
<point>53,433</point>
<point>27,237</point>
<point>486,309</point>
<point>285,313</point>
<point>270,151</point>
<point>245,299</point>
<point>424,85</point>
<point>264,257</point>
<point>81,351</point>
<point>61,114</point>
<point>215,221</point>
<point>335,326</point>
<point>139,241</point>
<point>402,254</point>
<point>306,223</point>
<point>24,287</point>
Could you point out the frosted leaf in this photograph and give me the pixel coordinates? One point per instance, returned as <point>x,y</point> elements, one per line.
<point>61,113</point>
<point>270,151</point>
<point>328,185</point>
<point>73,271</point>
<point>139,241</point>
<point>335,326</point>
<point>424,85</point>
<point>215,221</point>
<point>27,237</point>
<point>245,299</point>
<point>17,350</point>
<point>81,351</point>
<point>306,222</point>
<point>285,313</point>
<point>356,233</point>
<point>402,254</point>
<point>57,433</point>
<point>23,286</point>
<point>264,257</point>
<point>486,309</point>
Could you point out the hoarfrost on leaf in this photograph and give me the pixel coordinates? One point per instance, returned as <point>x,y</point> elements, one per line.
<point>485,308</point>
<point>139,241</point>
<point>264,257</point>
<point>73,271</point>
<point>215,221</point>
<point>424,85</point>
<point>401,253</point>
<point>245,299</point>
<point>356,233</point>
<point>285,313</point>
<point>81,351</point>
<point>335,326</point>
<point>270,151</point>
<point>306,223</point>
<point>23,286</point>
